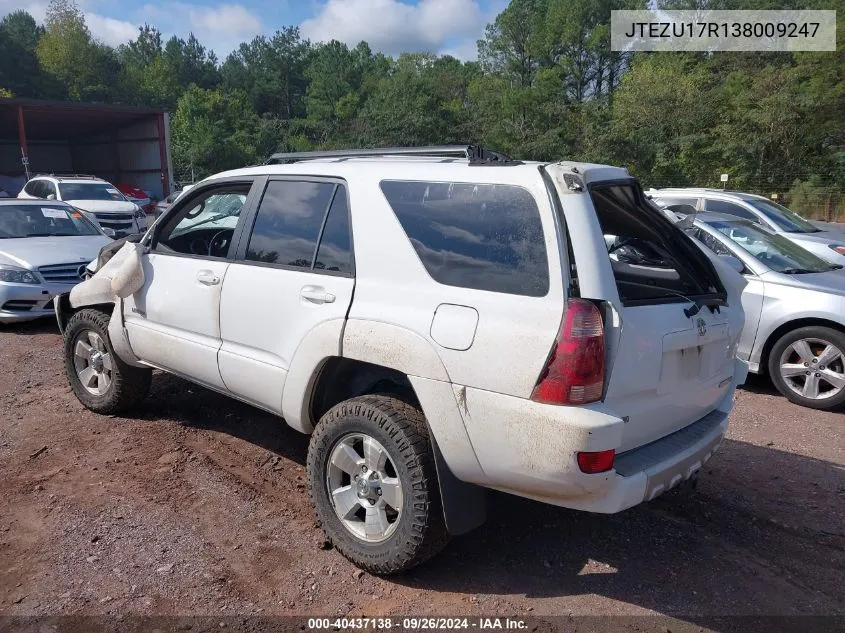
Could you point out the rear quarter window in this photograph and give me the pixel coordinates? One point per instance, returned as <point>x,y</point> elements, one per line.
<point>470,235</point>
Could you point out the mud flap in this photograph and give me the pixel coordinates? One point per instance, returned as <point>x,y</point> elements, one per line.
<point>464,504</point>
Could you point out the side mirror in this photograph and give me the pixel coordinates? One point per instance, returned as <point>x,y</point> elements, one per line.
<point>733,262</point>
<point>109,232</point>
<point>51,196</point>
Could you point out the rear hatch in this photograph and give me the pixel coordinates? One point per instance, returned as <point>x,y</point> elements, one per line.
<point>671,324</point>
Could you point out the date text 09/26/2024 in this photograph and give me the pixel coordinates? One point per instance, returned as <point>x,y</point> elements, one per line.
<point>415,624</point>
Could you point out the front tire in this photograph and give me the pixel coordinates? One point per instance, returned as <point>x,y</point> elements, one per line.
<point>807,365</point>
<point>374,484</point>
<point>100,380</point>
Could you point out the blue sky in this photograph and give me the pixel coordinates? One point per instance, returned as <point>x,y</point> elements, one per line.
<point>390,26</point>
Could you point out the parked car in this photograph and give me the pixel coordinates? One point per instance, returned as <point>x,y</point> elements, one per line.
<point>100,199</point>
<point>794,309</point>
<point>44,247</point>
<point>163,205</point>
<point>143,199</point>
<point>491,340</point>
<point>824,242</point>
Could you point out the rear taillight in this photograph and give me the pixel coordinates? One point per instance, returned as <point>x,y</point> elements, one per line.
<point>598,462</point>
<point>574,373</point>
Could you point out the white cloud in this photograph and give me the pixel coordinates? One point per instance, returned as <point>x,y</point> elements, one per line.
<point>37,9</point>
<point>222,27</point>
<point>392,26</point>
<point>466,50</point>
<point>110,31</point>
<point>225,18</point>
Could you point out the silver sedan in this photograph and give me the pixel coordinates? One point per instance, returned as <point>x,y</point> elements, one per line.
<point>794,306</point>
<point>44,247</point>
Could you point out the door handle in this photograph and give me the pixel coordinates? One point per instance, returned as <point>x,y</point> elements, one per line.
<point>316,294</point>
<point>208,278</point>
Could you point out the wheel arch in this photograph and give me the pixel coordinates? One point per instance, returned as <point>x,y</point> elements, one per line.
<point>339,379</point>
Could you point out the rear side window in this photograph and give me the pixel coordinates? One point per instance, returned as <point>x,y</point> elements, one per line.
<point>479,236</point>
<point>653,261</point>
<point>288,223</point>
<point>728,208</point>
<point>335,252</point>
<point>669,202</point>
<point>33,188</point>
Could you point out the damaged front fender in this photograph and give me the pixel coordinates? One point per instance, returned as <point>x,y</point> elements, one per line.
<point>119,277</point>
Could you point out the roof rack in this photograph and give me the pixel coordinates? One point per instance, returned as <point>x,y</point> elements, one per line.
<point>60,176</point>
<point>474,153</point>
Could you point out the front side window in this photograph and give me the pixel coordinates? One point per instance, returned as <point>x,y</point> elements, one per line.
<point>89,191</point>
<point>43,220</point>
<point>782,217</point>
<point>479,236</point>
<point>206,224</point>
<point>288,224</point>
<point>775,251</point>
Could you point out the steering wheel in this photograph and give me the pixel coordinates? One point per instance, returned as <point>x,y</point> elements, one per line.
<point>198,246</point>
<point>220,243</point>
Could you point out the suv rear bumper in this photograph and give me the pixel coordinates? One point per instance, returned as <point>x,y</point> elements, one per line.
<point>530,450</point>
<point>646,472</point>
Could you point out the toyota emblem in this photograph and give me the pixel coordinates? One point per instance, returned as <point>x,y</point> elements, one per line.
<point>702,327</point>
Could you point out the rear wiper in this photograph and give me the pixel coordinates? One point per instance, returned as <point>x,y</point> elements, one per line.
<point>714,305</point>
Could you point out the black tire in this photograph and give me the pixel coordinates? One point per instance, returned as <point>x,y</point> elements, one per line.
<point>401,430</point>
<point>817,333</point>
<point>128,385</point>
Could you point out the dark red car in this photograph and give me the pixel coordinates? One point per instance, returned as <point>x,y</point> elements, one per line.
<point>137,195</point>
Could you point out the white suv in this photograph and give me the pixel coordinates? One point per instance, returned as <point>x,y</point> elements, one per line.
<point>98,199</point>
<point>439,324</point>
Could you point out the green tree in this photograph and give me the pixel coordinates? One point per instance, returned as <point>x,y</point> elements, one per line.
<point>214,130</point>
<point>67,52</point>
<point>422,101</point>
<point>272,72</point>
<point>20,72</point>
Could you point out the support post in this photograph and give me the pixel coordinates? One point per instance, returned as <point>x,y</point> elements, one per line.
<point>22,140</point>
<point>162,153</point>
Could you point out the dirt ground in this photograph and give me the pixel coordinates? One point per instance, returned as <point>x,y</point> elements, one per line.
<point>197,505</point>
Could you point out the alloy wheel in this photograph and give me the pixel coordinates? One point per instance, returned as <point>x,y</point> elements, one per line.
<point>813,368</point>
<point>93,362</point>
<point>364,487</point>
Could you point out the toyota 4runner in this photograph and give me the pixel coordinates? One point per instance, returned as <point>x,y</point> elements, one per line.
<point>440,321</point>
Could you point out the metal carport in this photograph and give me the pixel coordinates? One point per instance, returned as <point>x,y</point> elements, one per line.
<point>115,142</point>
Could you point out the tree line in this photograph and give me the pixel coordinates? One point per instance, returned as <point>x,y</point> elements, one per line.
<point>545,86</point>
